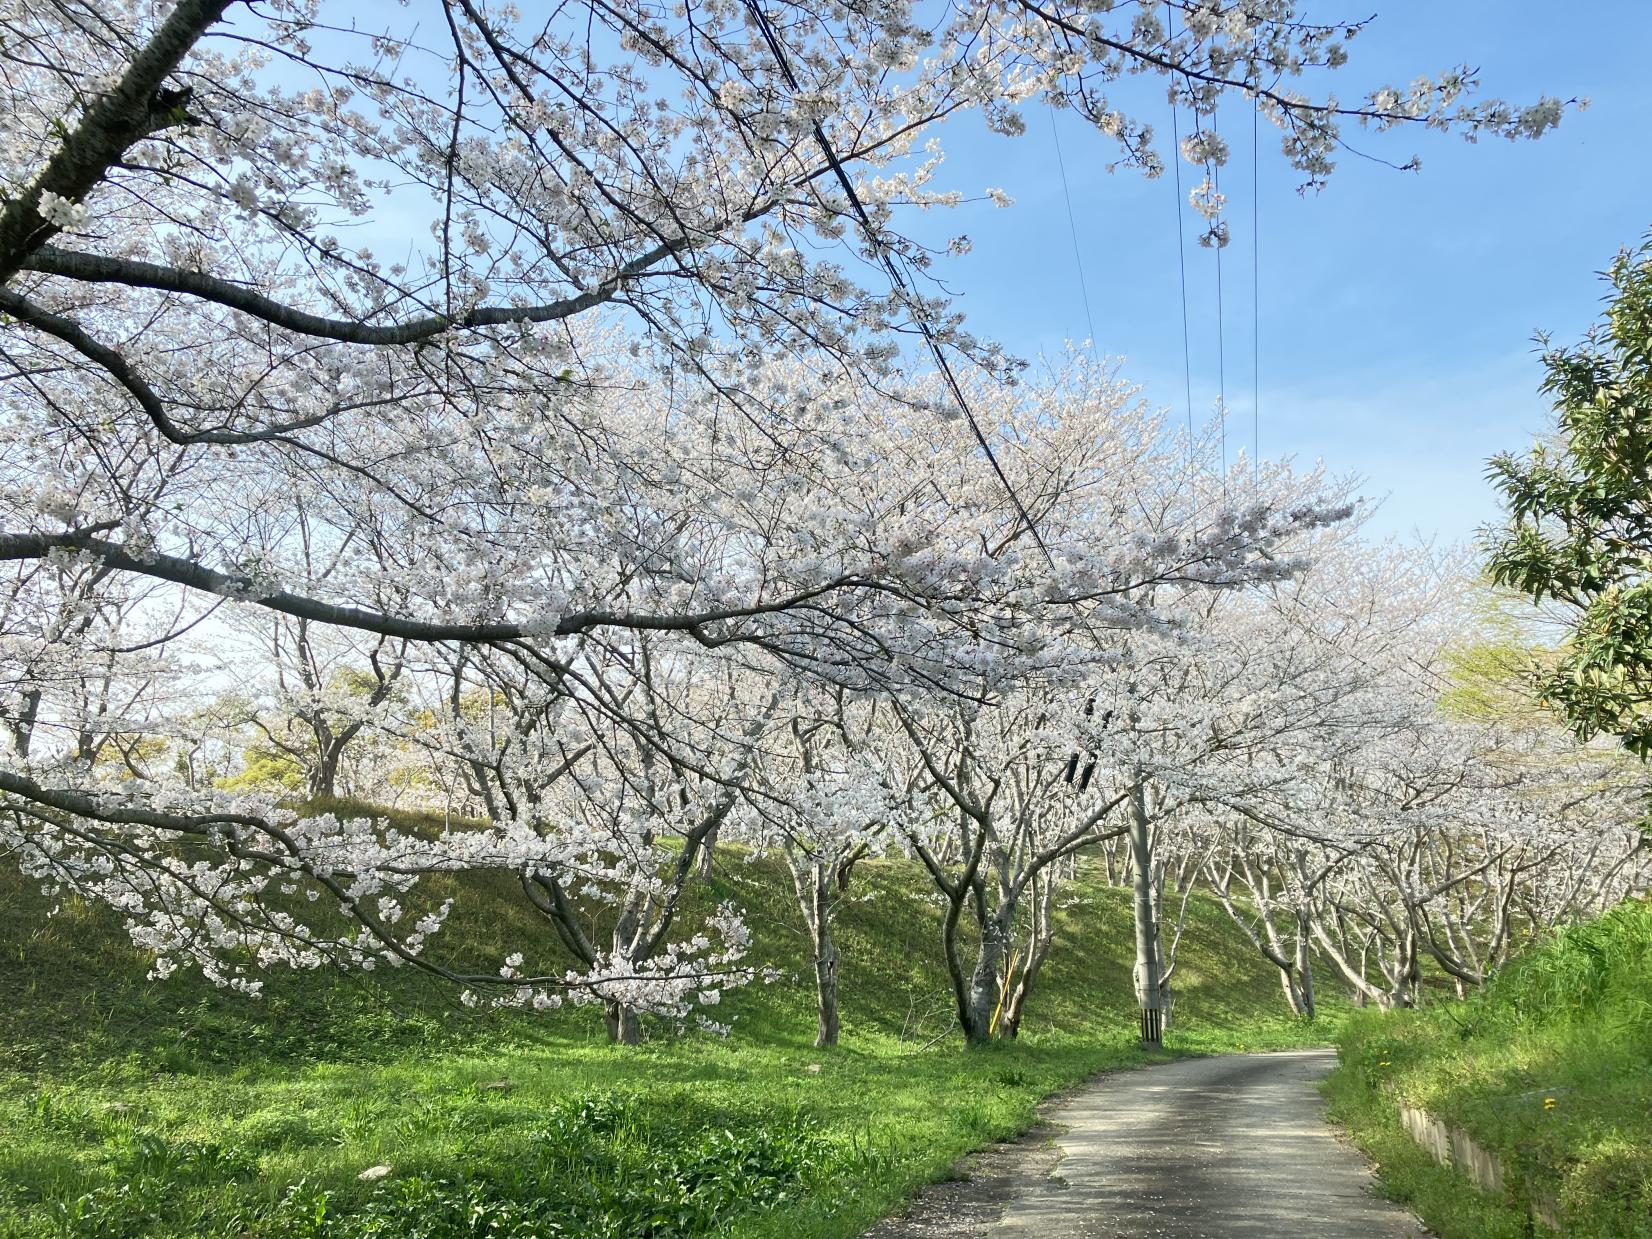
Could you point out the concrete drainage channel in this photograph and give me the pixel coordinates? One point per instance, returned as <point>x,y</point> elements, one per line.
<point>1452,1146</point>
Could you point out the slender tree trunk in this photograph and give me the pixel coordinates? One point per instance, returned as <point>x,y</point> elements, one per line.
<point>973,1017</point>
<point>1041,934</point>
<point>826,956</point>
<point>812,881</point>
<point>1014,1006</point>
<point>1293,996</point>
<point>954,960</point>
<point>1149,986</point>
<point>1305,967</point>
<point>1165,948</point>
<point>324,774</point>
<point>623,1023</point>
<point>708,847</point>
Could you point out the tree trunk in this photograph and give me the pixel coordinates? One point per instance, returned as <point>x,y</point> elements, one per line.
<point>1040,934</point>
<point>826,956</point>
<point>1149,983</point>
<point>624,1025</point>
<point>1300,976</point>
<point>974,1013</point>
<point>984,984</point>
<point>812,880</point>
<point>22,727</point>
<point>819,915</point>
<point>324,774</point>
<point>1010,1023</point>
<point>708,848</point>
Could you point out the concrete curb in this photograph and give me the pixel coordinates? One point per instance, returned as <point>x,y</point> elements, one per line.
<point>1452,1146</point>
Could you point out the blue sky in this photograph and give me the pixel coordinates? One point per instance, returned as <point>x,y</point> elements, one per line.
<point>1396,309</point>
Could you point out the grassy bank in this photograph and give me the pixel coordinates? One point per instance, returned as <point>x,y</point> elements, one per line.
<point>1550,1068</point>
<point>168,1108</point>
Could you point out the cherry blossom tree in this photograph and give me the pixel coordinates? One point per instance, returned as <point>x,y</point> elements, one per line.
<point>323,700</point>
<point>638,319</point>
<point>1264,882</point>
<point>1403,829</point>
<point>991,816</point>
<point>1093,732</point>
<point>639,807</point>
<point>823,799</point>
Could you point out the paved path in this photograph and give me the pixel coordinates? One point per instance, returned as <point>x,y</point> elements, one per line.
<point>1235,1147</point>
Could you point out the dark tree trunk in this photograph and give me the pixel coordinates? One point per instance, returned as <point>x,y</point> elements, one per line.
<point>981,998</point>
<point>323,781</point>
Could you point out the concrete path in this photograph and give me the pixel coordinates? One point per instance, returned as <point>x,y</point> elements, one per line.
<point>1235,1147</point>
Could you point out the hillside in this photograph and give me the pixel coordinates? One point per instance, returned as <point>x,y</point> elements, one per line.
<point>169,1108</point>
<point>1550,1068</point>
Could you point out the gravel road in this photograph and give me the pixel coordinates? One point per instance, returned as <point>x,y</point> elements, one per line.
<point>1235,1147</point>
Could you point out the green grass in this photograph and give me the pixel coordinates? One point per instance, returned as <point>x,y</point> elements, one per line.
<point>168,1108</point>
<point>1550,1068</point>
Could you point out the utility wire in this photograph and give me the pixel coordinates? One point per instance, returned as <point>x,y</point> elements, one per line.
<point>1181,251</point>
<point>1221,341</point>
<point>1256,295</point>
<point>899,279</point>
<point>1072,226</point>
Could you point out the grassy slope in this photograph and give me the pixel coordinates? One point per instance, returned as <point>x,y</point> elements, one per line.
<point>136,1107</point>
<point>1551,1068</point>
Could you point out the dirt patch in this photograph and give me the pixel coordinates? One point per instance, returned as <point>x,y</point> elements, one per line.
<point>983,1183</point>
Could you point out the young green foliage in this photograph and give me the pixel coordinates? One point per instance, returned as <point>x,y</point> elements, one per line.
<point>1579,522</point>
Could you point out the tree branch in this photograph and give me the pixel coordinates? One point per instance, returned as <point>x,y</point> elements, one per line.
<point>243,587</point>
<point>132,110</point>
<point>135,273</point>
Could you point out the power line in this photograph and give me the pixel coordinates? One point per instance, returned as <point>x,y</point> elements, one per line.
<point>1072,226</point>
<point>1181,252</point>
<point>1221,336</point>
<point>1256,295</point>
<point>899,279</point>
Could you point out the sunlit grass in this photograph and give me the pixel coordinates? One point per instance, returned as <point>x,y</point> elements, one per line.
<point>1551,1069</point>
<point>143,1108</point>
